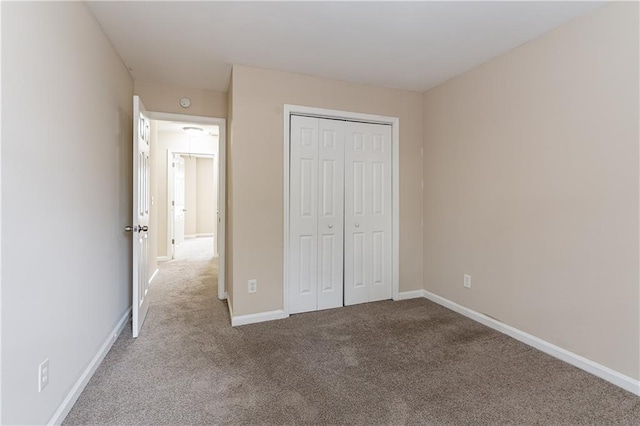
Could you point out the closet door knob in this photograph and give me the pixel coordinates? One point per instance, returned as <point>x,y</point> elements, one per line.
<point>330,226</point>
<point>357,225</point>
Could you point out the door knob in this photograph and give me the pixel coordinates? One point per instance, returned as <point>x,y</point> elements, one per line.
<point>128,228</point>
<point>330,226</point>
<point>143,228</point>
<point>357,225</point>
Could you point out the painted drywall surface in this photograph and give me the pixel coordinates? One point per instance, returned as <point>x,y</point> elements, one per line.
<point>66,188</point>
<point>164,97</point>
<point>190,196</point>
<point>531,187</point>
<point>228,255</point>
<point>175,142</point>
<point>257,173</point>
<point>205,196</point>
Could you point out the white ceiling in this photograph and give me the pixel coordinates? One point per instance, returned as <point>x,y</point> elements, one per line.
<point>405,45</point>
<point>175,126</point>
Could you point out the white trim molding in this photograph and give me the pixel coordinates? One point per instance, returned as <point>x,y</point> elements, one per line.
<point>155,273</point>
<point>86,375</point>
<point>254,318</point>
<point>599,370</point>
<point>288,111</point>
<point>414,294</point>
<point>163,258</point>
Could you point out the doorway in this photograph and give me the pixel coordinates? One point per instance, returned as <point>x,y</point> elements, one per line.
<point>196,147</point>
<point>192,201</point>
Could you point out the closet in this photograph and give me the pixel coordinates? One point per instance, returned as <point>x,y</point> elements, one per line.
<point>339,213</point>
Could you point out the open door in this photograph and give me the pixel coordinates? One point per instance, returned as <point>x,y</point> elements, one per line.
<point>141,202</point>
<point>178,201</point>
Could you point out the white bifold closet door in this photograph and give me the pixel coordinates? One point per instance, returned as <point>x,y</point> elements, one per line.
<point>316,214</point>
<point>367,243</point>
<point>340,213</point>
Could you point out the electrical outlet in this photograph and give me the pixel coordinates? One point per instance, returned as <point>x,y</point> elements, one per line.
<point>253,286</point>
<point>467,281</point>
<point>43,375</point>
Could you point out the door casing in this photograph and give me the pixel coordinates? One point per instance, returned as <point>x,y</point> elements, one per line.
<point>290,110</point>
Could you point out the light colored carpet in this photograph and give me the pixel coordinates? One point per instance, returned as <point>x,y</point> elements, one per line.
<point>409,362</point>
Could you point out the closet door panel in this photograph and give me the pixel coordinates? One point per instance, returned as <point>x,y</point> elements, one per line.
<point>380,218</point>
<point>368,220</point>
<point>303,215</point>
<point>331,213</point>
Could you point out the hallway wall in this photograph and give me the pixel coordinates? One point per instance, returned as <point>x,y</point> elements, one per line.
<point>165,97</point>
<point>66,197</point>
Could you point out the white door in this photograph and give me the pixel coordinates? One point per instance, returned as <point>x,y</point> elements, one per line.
<point>141,198</point>
<point>178,201</point>
<point>303,215</point>
<point>316,212</point>
<point>330,213</point>
<point>368,218</point>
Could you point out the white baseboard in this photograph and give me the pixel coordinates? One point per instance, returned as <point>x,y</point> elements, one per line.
<point>163,258</point>
<point>404,295</point>
<point>599,370</point>
<point>204,235</point>
<point>189,237</point>
<point>254,318</point>
<point>155,273</point>
<point>86,375</point>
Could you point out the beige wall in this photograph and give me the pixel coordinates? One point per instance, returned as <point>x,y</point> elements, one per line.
<point>205,196</point>
<point>66,197</point>
<point>174,142</point>
<point>228,255</point>
<point>257,172</point>
<point>164,97</point>
<point>190,196</point>
<point>531,186</point>
<point>199,196</point>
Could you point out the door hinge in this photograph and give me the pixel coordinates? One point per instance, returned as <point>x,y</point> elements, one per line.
<point>173,203</point>
<point>173,164</point>
<point>173,241</point>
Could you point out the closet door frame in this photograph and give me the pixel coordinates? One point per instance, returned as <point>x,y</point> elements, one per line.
<point>288,111</point>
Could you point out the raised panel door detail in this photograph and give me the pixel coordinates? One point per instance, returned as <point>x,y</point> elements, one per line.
<point>377,188</point>
<point>306,255</point>
<point>329,139</point>
<point>378,257</point>
<point>306,187</point>
<point>306,137</point>
<point>358,259</point>
<point>326,263</point>
<point>378,143</point>
<point>358,187</point>
<point>328,188</point>
<point>358,141</point>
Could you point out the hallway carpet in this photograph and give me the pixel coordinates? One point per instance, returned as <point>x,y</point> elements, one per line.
<point>408,362</point>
